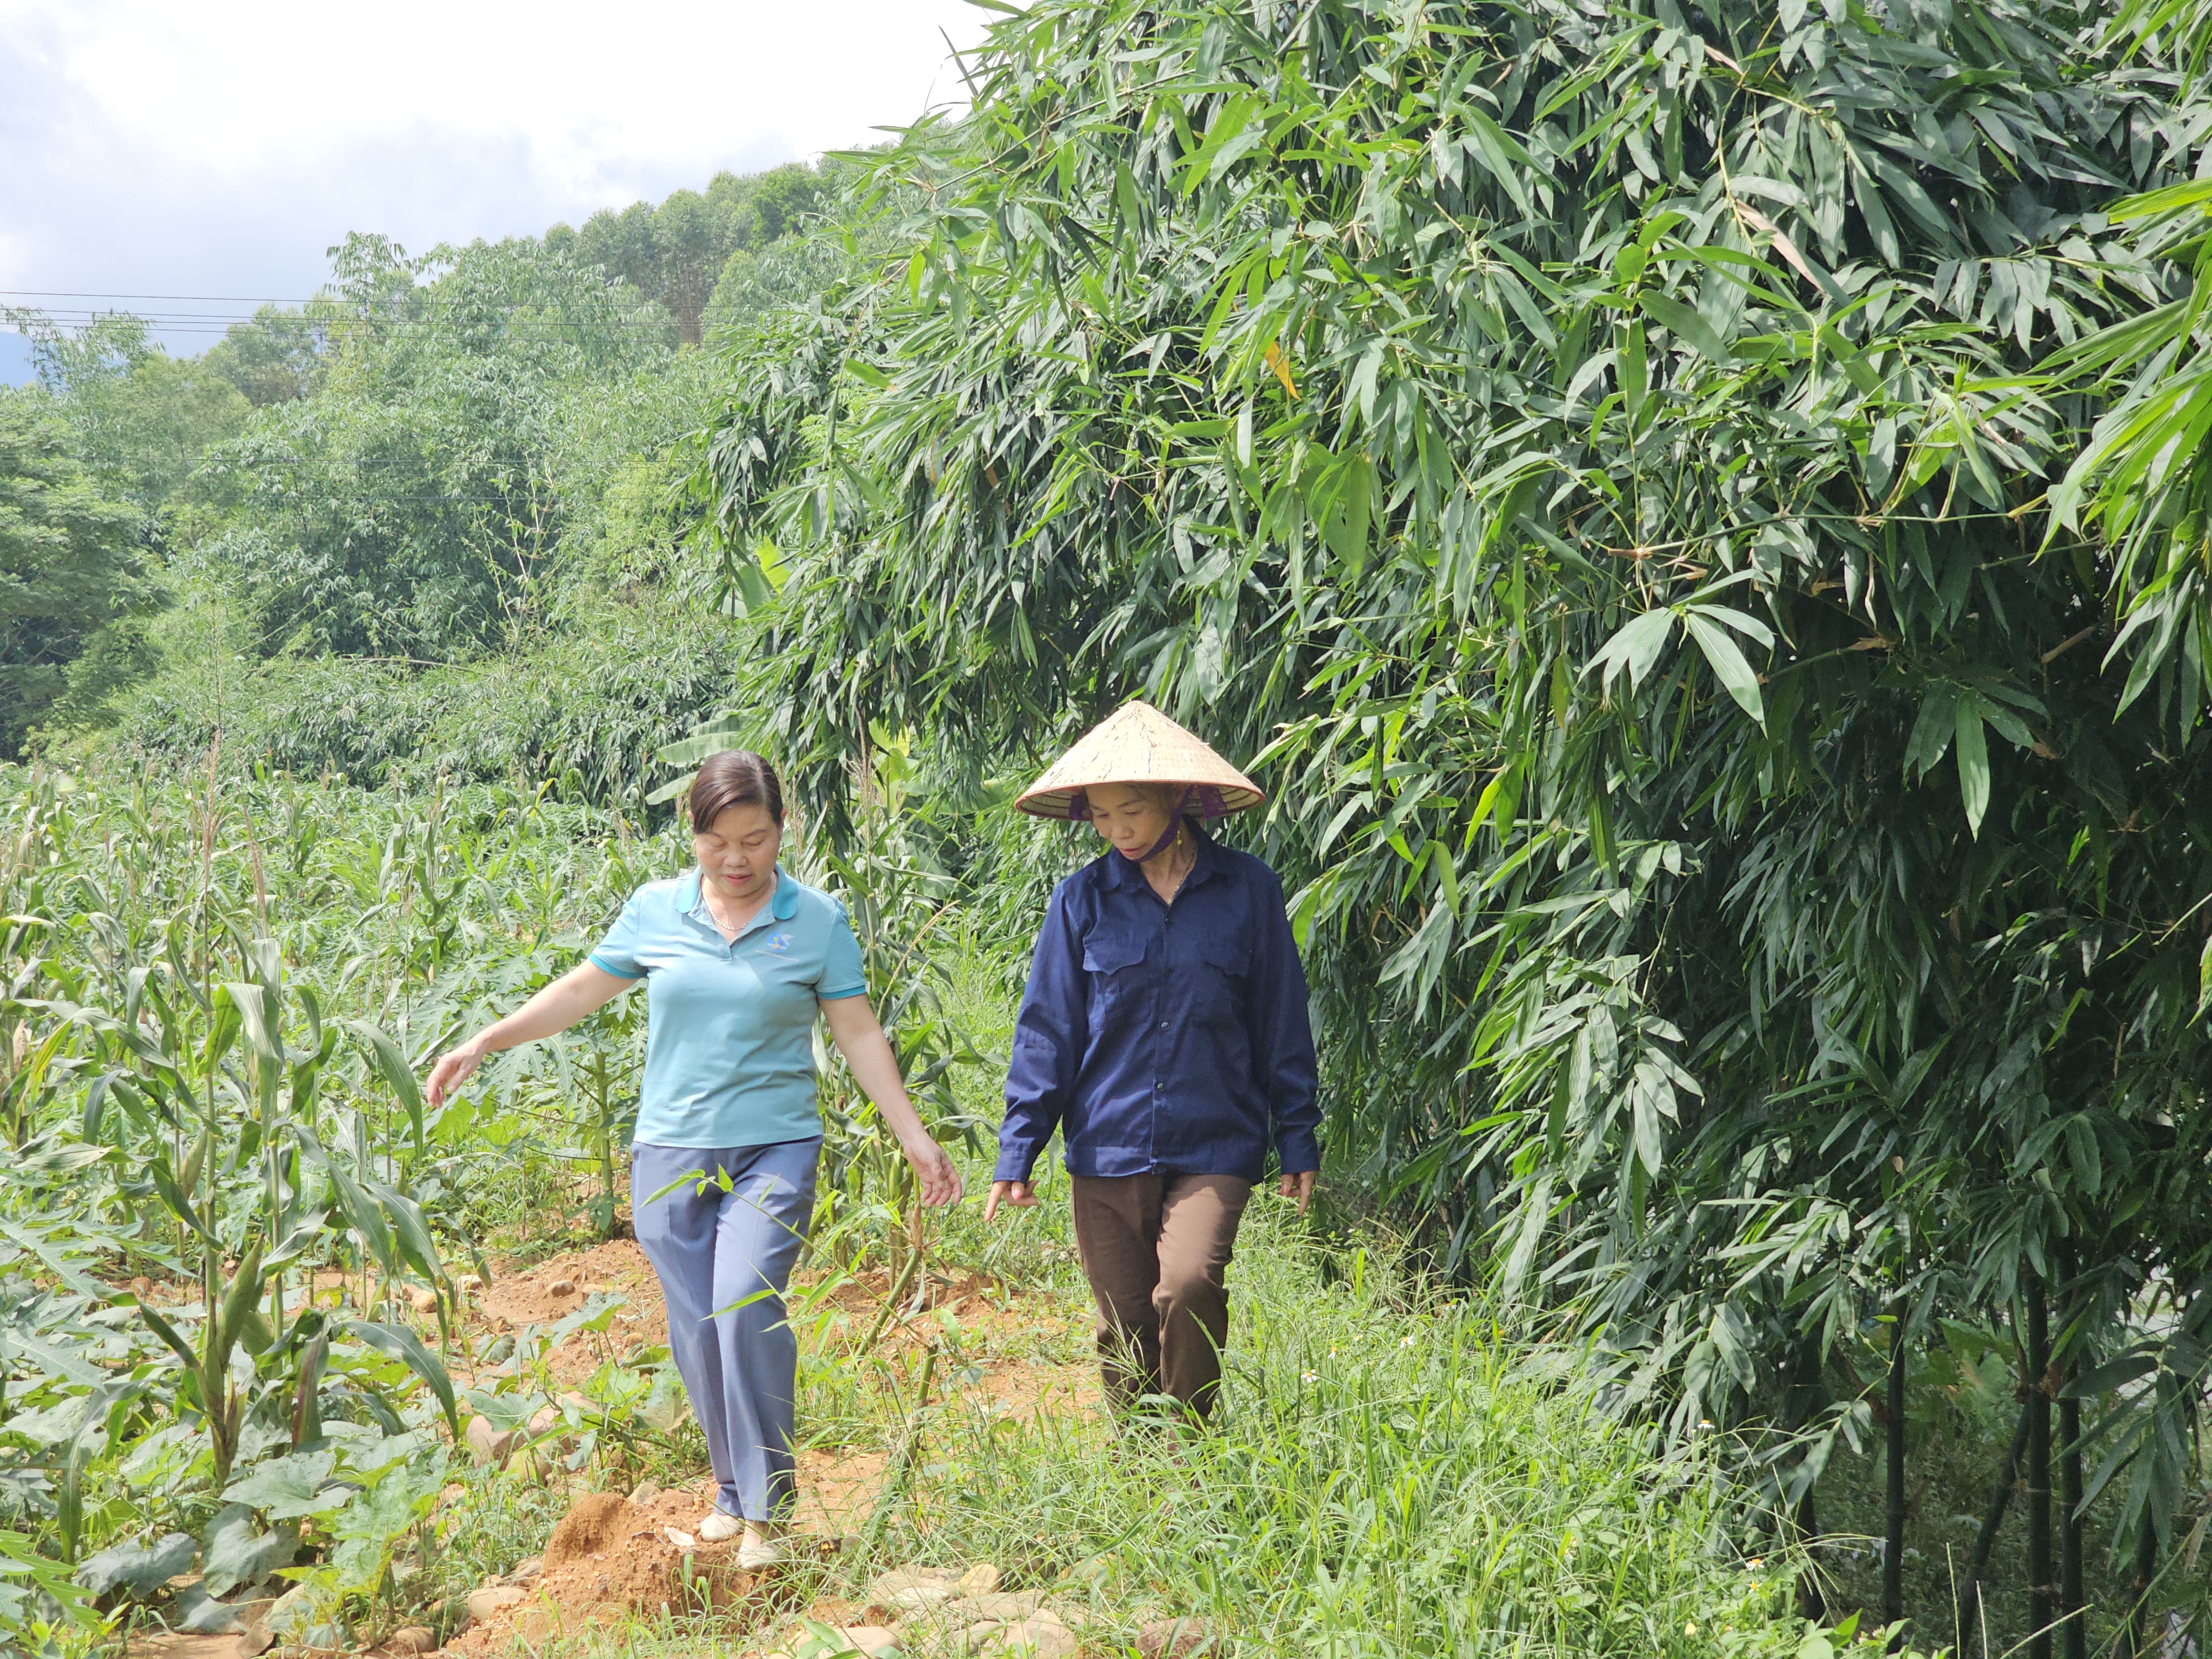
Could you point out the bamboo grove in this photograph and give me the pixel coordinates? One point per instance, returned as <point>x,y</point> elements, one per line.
<point>1675,498</point>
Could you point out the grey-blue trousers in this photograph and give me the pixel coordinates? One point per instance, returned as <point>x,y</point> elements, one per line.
<point>724,1258</point>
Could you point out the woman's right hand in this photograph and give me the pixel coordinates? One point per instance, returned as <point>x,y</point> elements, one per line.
<point>453,1068</point>
<point>1019,1194</point>
<point>583,990</point>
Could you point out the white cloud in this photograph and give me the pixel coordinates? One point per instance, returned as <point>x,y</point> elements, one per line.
<point>219,148</point>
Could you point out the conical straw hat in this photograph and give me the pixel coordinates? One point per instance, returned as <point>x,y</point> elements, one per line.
<point>1137,744</point>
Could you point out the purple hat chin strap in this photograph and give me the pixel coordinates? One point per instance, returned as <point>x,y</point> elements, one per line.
<point>1174,835</point>
<point>1199,799</point>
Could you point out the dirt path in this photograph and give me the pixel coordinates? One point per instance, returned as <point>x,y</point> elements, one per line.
<point>1010,1344</point>
<point>613,1558</point>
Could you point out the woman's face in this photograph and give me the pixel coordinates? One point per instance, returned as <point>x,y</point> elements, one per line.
<point>1134,816</point>
<point>737,852</point>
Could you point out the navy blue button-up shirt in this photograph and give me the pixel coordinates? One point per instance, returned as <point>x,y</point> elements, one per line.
<point>1164,1037</point>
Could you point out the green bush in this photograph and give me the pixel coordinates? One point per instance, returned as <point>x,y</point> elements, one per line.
<point>583,712</point>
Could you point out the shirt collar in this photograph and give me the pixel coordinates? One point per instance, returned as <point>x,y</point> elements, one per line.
<point>782,904</point>
<point>1126,873</point>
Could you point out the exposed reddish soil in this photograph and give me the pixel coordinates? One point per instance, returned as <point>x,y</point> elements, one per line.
<point>512,1301</point>
<point>611,1558</point>
<point>173,1645</point>
<point>996,1326</point>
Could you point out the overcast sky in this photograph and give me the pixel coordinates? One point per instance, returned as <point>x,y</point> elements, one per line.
<point>219,148</point>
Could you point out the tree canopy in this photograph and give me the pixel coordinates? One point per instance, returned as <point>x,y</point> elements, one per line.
<point>71,579</point>
<point>675,254</point>
<point>408,507</point>
<point>436,453</point>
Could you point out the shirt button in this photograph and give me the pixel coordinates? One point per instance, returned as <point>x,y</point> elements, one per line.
<point>1163,1025</point>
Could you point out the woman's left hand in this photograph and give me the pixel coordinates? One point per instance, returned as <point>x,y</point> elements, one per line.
<point>852,1027</point>
<point>940,1174</point>
<point>1300,1186</point>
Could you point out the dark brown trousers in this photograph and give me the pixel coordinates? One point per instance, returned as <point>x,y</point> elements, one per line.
<point>1155,1249</point>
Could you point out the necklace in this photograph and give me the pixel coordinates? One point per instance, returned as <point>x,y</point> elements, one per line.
<point>722,909</point>
<point>1174,878</point>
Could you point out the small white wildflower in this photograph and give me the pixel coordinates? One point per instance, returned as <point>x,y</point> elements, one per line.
<point>1406,1341</point>
<point>1308,1376</point>
<point>1704,1422</point>
<point>1690,1629</point>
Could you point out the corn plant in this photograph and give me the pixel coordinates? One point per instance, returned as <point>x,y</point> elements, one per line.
<point>213,999</point>
<point>904,914</point>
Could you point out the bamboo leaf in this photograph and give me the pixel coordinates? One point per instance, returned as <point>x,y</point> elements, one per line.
<point>1634,648</point>
<point>1973,761</point>
<point>1534,1213</point>
<point>1685,324</point>
<point>1728,664</point>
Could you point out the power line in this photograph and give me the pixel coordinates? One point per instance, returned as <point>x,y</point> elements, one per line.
<point>215,323</point>
<point>74,318</point>
<point>207,299</point>
<point>570,332</point>
<point>335,319</point>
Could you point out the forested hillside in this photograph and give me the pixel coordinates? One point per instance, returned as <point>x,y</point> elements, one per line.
<point>448,474</point>
<point>1698,517</point>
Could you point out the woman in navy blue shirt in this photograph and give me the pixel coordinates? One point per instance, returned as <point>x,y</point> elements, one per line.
<point>1164,1033</point>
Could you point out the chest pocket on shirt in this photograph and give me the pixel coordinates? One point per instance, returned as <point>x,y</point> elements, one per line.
<point>1111,960</point>
<point>1227,971</point>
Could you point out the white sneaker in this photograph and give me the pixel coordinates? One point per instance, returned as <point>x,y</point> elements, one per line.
<point>758,1554</point>
<point>719,1529</point>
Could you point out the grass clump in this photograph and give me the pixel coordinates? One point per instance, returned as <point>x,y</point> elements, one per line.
<point>1392,1472</point>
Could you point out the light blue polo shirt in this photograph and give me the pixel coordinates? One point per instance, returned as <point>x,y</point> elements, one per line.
<point>729,1045</point>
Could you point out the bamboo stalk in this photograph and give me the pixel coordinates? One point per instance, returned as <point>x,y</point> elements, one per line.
<point>2072,1603</point>
<point>1969,1609</point>
<point>2041,1602</point>
<point>1812,1601</point>
<point>2139,1586</point>
<point>1892,1550</point>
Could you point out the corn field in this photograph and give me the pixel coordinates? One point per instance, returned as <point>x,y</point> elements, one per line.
<point>236,1240</point>
<point>229,1220</point>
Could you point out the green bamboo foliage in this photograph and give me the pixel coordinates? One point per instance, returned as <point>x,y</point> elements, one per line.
<point>1602,462</point>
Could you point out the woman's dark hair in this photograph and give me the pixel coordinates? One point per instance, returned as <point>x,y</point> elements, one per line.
<point>735,777</point>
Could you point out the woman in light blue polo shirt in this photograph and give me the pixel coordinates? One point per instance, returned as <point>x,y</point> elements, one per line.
<point>738,959</point>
